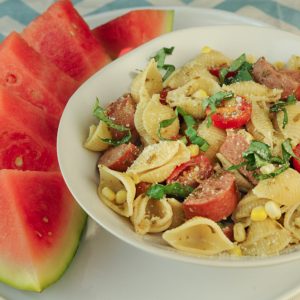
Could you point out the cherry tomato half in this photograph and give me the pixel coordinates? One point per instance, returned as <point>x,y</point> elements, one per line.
<point>232,116</point>
<point>296,162</point>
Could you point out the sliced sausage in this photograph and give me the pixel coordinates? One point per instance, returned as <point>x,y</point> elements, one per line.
<point>122,112</point>
<point>215,198</point>
<point>119,158</point>
<point>295,74</point>
<point>265,73</point>
<point>192,172</point>
<point>232,149</point>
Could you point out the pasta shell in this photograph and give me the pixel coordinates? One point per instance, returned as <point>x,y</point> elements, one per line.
<point>292,220</point>
<point>253,91</point>
<point>291,130</point>
<point>214,136</point>
<point>242,183</point>
<point>186,96</point>
<point>178,213</point>
<point>282,189</point>
<point>153,114</point>
<point>151,215</point>
<point>93,141</point>
<point>294,63</point>
<point>266,237</point>
<point>198,236</point>
<point>117,181</point>
<point>147,83</point>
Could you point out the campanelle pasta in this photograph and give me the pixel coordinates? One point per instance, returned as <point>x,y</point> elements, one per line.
<point>205,156</point>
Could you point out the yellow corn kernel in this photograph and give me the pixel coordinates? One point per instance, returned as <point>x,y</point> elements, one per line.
<point>108,193</point>
<point>200,94</point>
<point>239,232</point>
<point>258,213</point>
<point>236,250</point>
<point>206,49</point>
<point>278,65</point>
<point>194,149</point>
<point>250,58</point>
<point>121,196</point>
<point>273,210</point>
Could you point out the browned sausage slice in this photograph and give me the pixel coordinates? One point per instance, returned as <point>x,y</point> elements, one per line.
<point>265,73</point>
<point>215,198</point>
<point>122,112</point>
<point>119,158</point>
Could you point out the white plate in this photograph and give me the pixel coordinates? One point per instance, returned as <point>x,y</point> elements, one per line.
<point>106,268</point>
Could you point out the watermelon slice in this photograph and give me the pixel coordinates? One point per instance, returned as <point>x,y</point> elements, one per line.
<point>40,227</point>
<point>61,35</point>
<point>133,29</point>
<point>32,77</point>
<point>27,135</point>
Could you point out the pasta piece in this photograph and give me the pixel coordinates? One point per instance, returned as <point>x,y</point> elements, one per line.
<point>283,189</point>
<point>116,181</point>
<point>178,213</point>
<point>245,206</point>
<point>214,136</point>
<point>292,220</point>
<point>147,83</point>
<point>153,114</point>
<point>253,91</point>
<point>266,237</point>
<point>278,139</point>
<point>294,63</point>
<point>189,98</point>
<point>198,236</point>
<point>151,215</point>
<point>96,133</point>
<point>291,129</point>
<point>242,183</point>
<point>260,125</point>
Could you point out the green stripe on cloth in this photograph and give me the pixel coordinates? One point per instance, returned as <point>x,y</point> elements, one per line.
<point>276,10</point>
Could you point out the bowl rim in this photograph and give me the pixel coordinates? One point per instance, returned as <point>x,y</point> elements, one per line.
<point>214,261</point>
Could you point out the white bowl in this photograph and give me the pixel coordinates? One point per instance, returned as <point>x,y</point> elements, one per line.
<point>78,165</point>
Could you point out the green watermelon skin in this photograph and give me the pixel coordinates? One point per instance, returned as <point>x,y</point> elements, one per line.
<point>32,77</point>
<point>133,29</point>
<point>62,36</point>
<point>27,135</point>
<point>42,225</point>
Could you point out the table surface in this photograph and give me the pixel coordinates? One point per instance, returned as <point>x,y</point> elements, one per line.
<point>284,14</point>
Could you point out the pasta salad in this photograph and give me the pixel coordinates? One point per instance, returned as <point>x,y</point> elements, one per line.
<point>207,154</point>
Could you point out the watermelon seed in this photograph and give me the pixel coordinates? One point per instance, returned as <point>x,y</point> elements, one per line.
<point>19,161</point>
<point>38,234</point>
<point>72,33</point>
<point>45,219</point>
<point>49,233</point>
<point>11,78</point>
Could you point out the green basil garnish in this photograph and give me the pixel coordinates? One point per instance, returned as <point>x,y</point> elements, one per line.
<point>160,58</point>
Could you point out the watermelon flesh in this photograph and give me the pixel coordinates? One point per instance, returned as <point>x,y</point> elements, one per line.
<point>32,77</point>
<point>133,29</point>
<point>42,225</point>
<point>27,135</point>
<point>62,36</point>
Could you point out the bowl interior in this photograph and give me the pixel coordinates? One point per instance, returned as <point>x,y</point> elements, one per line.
<point>78,165</point>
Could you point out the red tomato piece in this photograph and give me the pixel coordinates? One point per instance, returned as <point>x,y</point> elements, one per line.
<point>164,94</point>
<point>141,188</point>
<point>296,162</point>
<point>297,93</point>
<point>192,172</point>
<point>233,116</point>
<point>228,231</point>
<point>216,72</point>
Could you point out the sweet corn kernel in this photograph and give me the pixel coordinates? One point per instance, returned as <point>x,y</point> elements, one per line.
<point>273,210</point>
<point>108,193</point>
<point>206,49</point>
<point>121,196</point>
<point>267,169</point>
<point>250,58</point>
<point>236,250</point>
<point>200,94</point>
<point>194,149</point>
<point>278,65</point>
<point>239,232</point>
<point>258,213</point>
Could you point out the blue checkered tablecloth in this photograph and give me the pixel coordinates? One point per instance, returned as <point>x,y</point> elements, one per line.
<point>285,14</point>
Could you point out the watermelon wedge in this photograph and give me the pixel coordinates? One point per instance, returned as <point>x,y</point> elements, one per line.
<point>62,36</point>
<point>133,29</point>
<point>27,135</point>
<point>41,225</point>
<point>32,77</point>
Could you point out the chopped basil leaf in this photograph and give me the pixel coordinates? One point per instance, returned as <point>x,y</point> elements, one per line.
<point>272,174</point>
<point>237,63</point>
<point>177,190</point>
<point>287,150</point>
<point>100,113</point>
<point>160,59</point>
<point>280,106</point>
